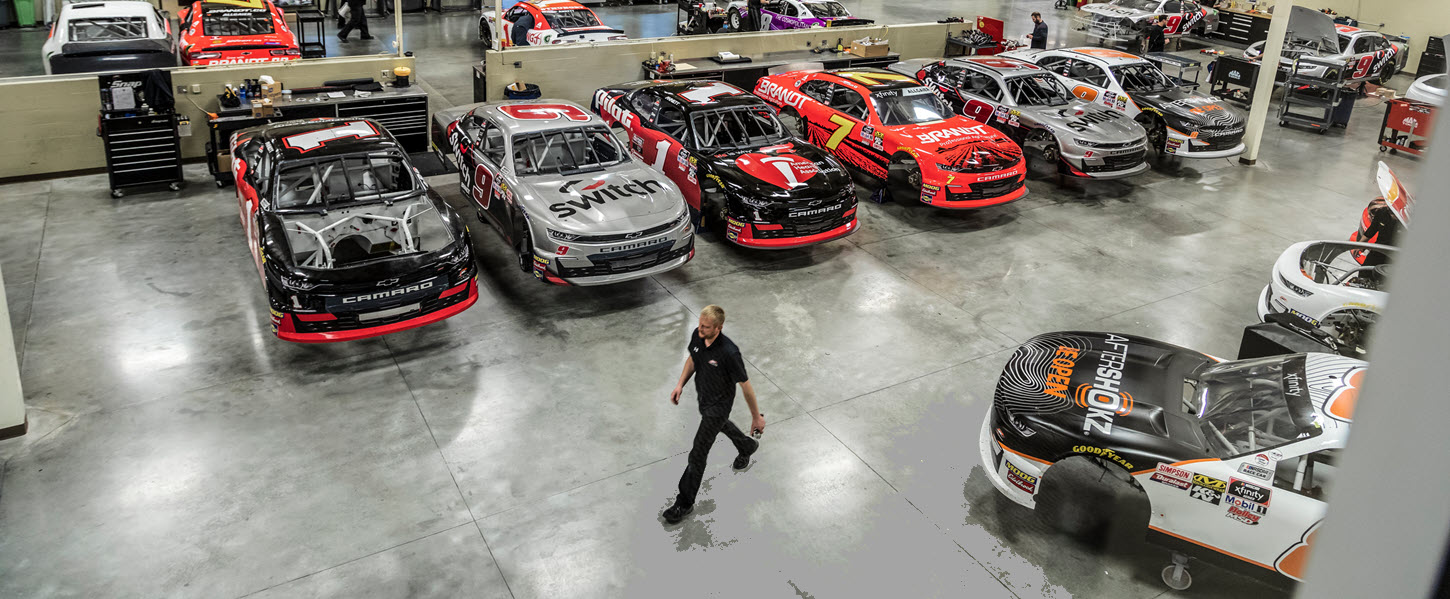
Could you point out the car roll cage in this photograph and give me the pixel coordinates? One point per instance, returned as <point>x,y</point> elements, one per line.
<point>403,235</point>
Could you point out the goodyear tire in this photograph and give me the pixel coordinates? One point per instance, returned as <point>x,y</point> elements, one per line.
<point>1094,500</point>
<point>483,31</point>
<point>1386,74</point>
<point>903,180</point>
<point>799,126</point>
<point>1157,132</point>
<point>525,249</point>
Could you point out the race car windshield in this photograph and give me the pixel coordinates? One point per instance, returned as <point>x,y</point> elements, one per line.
<point>236,22</point>
<point>336,181</point>
<point>107,29</point>
<point>1142,77</point>
<point>1251,405</point>
<point>826,10</point>
<point>909,106</point>
<point>736,128</point>
<point>571,19</point>
<point>1148,5</point>
<point>566,151</point>
<point>1041,89</point>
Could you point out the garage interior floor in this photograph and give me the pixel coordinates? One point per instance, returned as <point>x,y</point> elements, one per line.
<point>526,447</point>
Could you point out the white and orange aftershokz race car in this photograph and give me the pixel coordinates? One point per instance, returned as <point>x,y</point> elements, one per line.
<point>1106,434</point>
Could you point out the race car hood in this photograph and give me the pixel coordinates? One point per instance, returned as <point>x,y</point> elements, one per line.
<point>1116,12</point>
<point>782,172</point>
<point>1189,111</point>
<point>959,140</point>
<point>1070,389</point>
<point>1088,121</point>
<point>627,198</point>
<point>1307,28</point>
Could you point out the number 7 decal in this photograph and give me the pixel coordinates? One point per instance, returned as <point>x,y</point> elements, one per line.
<point>844,128</point>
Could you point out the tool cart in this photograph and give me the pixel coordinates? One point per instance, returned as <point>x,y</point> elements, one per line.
<point>1407,127</point>
<point>138,126</point>
<point>1317,101</point>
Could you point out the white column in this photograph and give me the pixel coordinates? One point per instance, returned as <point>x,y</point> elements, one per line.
<point>497,25</point>
<point>1264,87</point>
<point>398,28</point>
<point>12,402</point>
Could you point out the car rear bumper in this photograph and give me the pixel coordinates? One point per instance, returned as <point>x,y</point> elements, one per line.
<point>287,324</point>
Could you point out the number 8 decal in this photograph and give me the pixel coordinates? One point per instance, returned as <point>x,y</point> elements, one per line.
<point>846,126</point>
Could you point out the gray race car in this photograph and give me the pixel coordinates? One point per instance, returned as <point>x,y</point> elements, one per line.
<point>1366,54</point>
<point>566,194</point>
<point>1034,107</point>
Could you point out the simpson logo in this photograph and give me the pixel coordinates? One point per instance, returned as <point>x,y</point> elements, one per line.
<point>1020,479</point>
<point>389,293</point>
<point>606,104</point>
<point>951,133</point>
<point>599,193</point>
<point>1102,399</point>
<point>1059,373</point>
<point>1173,477</point>
<point>1258,472</point>
<point>771,90</point>
<point>1248,491</point>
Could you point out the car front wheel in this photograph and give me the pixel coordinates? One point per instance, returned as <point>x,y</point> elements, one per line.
<point>525,250</point>
<point>1090,498</point>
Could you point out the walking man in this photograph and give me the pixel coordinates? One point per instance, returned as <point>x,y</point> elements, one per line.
<point>1153,40</point>
<point>1039,32</point>
<point>357,20</point>
<point>715,363</point>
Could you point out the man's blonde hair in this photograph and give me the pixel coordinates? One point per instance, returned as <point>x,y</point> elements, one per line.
<point>715,313</point>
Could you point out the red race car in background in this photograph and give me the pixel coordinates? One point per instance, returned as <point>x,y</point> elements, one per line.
<point>893,127</point>
<point>235,32</point>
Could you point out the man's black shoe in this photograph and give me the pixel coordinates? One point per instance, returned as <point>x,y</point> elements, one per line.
<point>341,38</point>
<point>676,512</point>
<point>367,37</point>
<point>743,460</point>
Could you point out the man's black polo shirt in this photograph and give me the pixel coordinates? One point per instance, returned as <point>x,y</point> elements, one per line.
<point>718,369</point>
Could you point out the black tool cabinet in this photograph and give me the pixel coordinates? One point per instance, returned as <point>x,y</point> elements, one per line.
<point>142,150</point>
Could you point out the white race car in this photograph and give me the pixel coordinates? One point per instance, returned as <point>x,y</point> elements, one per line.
<point>1367,55</point>
<point>545,23</point>
<point>1116,435</point>
<point>1429,89</point>
<point>113,35</point>
<point>1335,286</point>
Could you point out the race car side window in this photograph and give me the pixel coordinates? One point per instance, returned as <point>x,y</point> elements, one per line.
<point>515,14</point>
<point>848,101</point>
<point>1056,64</point>
<point>981,84</point>
<point>819,90</point>
<point>646,104</point>
<point>1364,44</point>
<point>1172,6</point>
<point>493,143</point>
<point>789,10</point>
<point>1086,71</point>
<point>1309,475</point>
<point>672,121</point>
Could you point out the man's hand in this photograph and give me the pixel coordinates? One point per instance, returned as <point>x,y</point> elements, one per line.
<point>675,395</point>
<point>757,423</point>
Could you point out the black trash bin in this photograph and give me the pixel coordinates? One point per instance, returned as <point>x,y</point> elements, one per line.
<point>530,92</point>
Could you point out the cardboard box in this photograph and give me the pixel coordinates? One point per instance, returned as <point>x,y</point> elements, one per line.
<point>263,108</point>
<point>872,51</point>
<point>272,90</point>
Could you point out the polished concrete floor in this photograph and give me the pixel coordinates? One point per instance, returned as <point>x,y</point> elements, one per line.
<point>526,447</point>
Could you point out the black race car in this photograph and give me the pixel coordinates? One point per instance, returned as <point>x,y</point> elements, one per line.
<point>348,239</point>
<point>738,167</point>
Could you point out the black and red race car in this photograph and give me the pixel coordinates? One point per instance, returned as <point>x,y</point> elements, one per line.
<point>349,241</point>
<point>235,32</point>
<point>895,128</point>
<point>738,167</point>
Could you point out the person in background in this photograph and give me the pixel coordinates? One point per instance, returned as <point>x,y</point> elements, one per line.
<point>752,10</point>
<point>519,34</point>
<point>357,20</point>
<point>1153,39</point>
<point>1039,32</point>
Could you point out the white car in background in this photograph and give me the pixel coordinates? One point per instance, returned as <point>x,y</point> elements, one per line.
<point>1335,286</point>
<point>114,35</point>
<point>1429,89</point>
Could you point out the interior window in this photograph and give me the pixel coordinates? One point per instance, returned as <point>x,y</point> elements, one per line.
<point>1056,64</point>
<point>672,121</point>
<point>848,102</point>
<point>1364,44</point>
<point>949,74</point>
<point>1086,71</point>
<point>981,84</point>
<point>1172,6</point>
<point>1310,475</point>
<point>819,90</point>
<point>332,181</point>
<point>646,105</point>
<point>107,29</point>
<point>789,10</point>
<point>566,151</point>
<point>493,143</point>
<point>514,15</point>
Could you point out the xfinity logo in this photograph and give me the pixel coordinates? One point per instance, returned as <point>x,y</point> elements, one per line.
<point>599,193</point>
<point>389,293</point>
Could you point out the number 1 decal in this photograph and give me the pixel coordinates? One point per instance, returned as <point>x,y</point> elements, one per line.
<point>844,128</point>
<point>662,152</point>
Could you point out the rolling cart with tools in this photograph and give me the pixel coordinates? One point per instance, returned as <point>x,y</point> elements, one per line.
<point>1407,127</point>
<point>1317,102</point>
<point>138,130</point>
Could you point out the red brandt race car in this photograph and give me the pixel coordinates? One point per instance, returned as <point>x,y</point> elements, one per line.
<point>235,32</point>
<point>895,128</point>
<point>736,164</point>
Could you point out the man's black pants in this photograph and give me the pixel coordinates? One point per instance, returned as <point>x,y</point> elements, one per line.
<point>358,20</point>
<point>704,438</point>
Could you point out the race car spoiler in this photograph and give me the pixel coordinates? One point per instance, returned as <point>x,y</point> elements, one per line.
<point>86,57</point>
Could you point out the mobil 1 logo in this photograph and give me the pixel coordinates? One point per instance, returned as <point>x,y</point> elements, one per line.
<point>1207,488</point>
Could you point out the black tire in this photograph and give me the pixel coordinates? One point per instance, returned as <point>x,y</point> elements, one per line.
<point>799,127</point>
<point>1386,74</point>
<point>736,23</point>
<point>484,32</point>
<point>1157,132</point>
<point>903,179</point>
<point>525,250</point>
<point>1093,499</point>
<point>1047,148</point>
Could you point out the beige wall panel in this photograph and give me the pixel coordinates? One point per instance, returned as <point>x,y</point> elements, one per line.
<point>53,120</point>
<point>573,72</point>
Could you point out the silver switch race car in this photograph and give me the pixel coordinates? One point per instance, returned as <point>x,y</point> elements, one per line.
<point>1034,107</point>
<point>566,194</point>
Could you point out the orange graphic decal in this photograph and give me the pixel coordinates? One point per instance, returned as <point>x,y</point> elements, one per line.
<point>1105,53</point>
<point>1340,405</point>
<point>1295,559</point>
<point>1088,396</point>
<point>1084,92</point>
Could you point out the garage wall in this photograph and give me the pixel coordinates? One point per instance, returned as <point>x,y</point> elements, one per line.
<point>51,122</point>
<point>1418,19</point>
<point>574,71</point>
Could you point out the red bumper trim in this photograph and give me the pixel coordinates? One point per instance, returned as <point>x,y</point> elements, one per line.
<point>286,331</point>
<point>794,242</point>
<point>1002,199</point>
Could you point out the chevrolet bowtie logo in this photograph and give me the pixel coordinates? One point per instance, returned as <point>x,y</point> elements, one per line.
<point>387,282</point>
